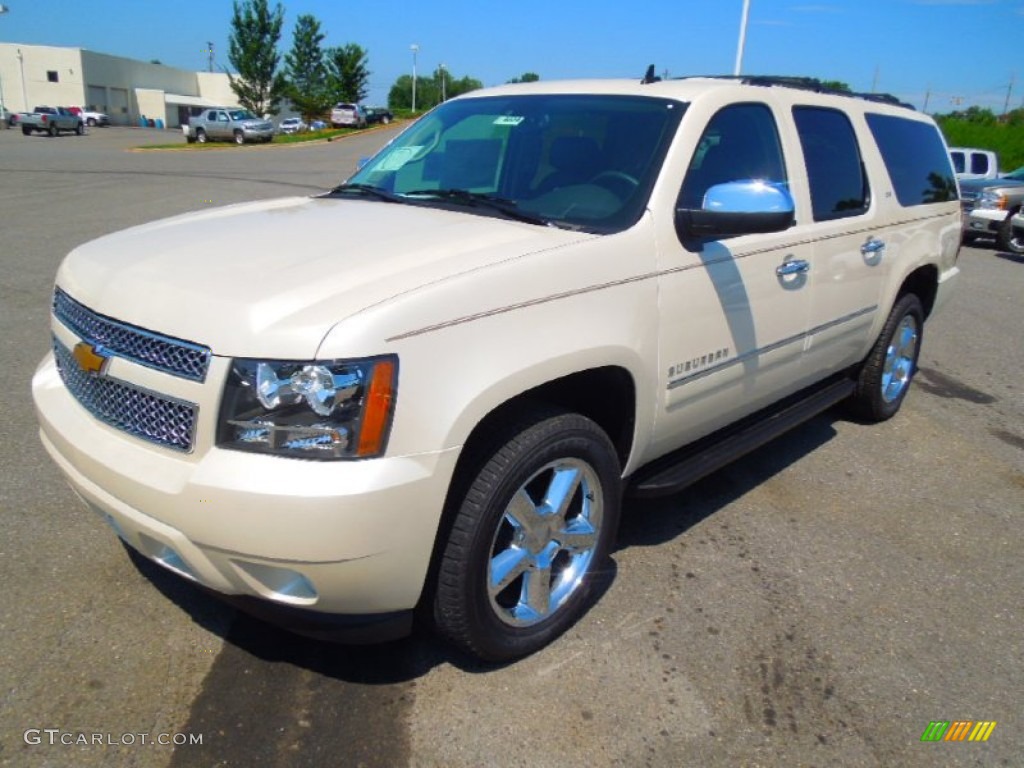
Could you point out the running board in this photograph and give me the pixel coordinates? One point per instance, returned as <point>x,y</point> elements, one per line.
<point>674,472</point>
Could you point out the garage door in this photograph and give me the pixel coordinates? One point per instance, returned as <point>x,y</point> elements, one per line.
<point>119,106</point>
<point>97,99</point>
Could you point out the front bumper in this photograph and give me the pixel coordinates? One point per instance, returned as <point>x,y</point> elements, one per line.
<point>304,538</point>
<point>258,134</point>
<point>984,221</point>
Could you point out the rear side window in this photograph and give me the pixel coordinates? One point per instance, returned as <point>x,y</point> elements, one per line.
<point>834,168</point>
<point>918,164</point>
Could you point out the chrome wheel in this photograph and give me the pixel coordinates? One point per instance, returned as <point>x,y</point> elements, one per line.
<point>545,542</point>
<point>538,505</point>
<point>900,359</point>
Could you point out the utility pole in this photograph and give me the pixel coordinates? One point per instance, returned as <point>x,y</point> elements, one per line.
<point>1009,92</point>
<point>874,80</point>
<point>927,95</point>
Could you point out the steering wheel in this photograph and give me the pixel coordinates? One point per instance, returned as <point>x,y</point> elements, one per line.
<point>619,183</point>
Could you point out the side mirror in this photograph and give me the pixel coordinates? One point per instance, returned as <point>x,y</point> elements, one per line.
<point>737,208</point>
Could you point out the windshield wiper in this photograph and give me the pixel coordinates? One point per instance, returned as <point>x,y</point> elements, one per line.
<point>465,197</point>
<point>367,189</point>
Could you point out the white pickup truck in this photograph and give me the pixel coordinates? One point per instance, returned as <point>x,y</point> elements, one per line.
<point>546,295</point>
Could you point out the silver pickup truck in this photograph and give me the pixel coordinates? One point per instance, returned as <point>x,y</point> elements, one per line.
<point>989,205</point>
<point>51,120</point>
<point>227,124</point>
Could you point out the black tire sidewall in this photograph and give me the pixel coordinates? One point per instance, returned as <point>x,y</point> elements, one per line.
<point>462,606</point>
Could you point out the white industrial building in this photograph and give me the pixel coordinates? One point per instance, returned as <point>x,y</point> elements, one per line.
<point>131,92</point>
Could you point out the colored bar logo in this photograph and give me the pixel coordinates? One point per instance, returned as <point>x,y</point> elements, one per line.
<point>958,730</point>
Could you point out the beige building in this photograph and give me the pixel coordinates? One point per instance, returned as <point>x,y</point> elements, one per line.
<point>130,91</point>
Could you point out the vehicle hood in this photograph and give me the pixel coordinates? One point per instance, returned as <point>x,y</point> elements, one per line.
<point>271,278</point>
<point>976,185</point>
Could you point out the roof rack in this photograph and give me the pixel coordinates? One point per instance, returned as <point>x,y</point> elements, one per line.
<point>807,84</point>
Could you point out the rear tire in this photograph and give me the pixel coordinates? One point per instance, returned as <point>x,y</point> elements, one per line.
<point>201,136</point>
<point>534,526</point>
<point>889,368</point>
<point>26,131</point>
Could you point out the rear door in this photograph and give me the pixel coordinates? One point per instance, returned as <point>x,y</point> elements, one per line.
<point>847,260</point>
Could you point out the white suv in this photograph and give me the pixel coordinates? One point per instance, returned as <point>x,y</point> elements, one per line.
<point>555,292</point>
<point>348,116</point>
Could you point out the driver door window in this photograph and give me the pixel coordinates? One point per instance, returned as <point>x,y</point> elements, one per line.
<point>740,143</point>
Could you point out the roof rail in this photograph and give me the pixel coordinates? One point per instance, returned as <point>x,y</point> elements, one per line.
<point>809,84</point>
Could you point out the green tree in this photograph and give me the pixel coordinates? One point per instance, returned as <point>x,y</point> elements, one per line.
<point>305,70</point>
<point>836,85</point>
<point>252,51</point>
<point>526,77</point>
<point>428,89</point>
<point>347,75</point>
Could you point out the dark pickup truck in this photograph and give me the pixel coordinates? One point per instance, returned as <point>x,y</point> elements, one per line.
<point>51,120</point>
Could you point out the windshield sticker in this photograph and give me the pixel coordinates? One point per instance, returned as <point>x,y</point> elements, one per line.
<point>397,158</point>
<point>509,120</point>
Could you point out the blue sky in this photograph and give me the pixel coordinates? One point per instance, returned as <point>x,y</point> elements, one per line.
<point>958,52</point>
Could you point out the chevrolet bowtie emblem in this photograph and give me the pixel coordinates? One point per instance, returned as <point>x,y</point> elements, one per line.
<point>90,358</point>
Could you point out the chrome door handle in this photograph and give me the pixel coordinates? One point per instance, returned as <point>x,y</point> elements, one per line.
<point>872,246</point>
<point>794,267</point>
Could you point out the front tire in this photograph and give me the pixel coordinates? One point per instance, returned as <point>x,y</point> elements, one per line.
<point>52,130</point>
<point>889,368</point>
<point>1007,238</point>
<point>79,129</point>
<point>534,526</point>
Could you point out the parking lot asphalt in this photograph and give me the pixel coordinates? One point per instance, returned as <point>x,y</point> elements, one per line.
<point>818,603</point>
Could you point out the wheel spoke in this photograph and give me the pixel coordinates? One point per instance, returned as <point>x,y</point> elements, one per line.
<point>522,513</point>
<point>537,592</point>
<point>506,567</point>
<point>579,537</point>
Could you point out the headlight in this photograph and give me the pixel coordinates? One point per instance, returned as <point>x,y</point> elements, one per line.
<point>990,199</point>
<point>338,409</point>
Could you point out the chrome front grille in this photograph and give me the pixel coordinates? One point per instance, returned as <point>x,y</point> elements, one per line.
<point>164,353</point>
<point>139,412</point>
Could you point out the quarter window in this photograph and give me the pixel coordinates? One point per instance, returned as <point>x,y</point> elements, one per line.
<point>918,163</point>
<point>834,167</point>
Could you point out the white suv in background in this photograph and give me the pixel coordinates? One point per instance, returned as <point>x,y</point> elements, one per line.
<point>551,293</point>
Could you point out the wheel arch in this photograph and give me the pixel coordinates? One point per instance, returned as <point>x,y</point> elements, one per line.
<point>924,282</point>
<point>606,395</point>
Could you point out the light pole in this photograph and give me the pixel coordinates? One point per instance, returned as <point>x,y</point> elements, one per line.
<point>743,38</point>
<point>415,49</point>
<point>3,104</point>
<point>443,78</point>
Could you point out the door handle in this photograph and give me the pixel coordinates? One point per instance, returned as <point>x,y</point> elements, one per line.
<point>794,267</point>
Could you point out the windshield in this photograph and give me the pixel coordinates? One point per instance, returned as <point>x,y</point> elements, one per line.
<point>582,161</point>
<point>241,114</point>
